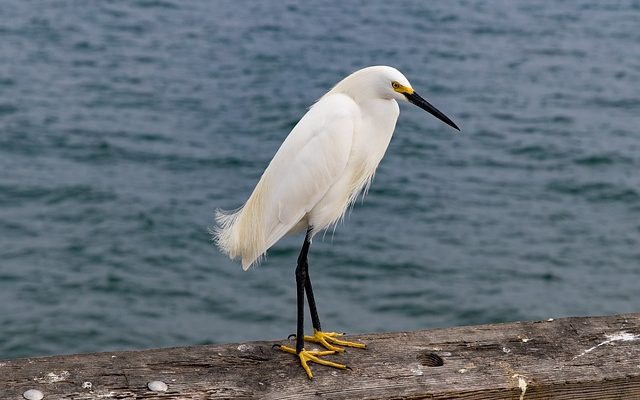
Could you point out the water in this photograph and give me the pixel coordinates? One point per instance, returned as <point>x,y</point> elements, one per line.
<point>124,124</point>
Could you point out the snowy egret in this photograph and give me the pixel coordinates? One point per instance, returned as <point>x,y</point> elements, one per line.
<point>329,157</point>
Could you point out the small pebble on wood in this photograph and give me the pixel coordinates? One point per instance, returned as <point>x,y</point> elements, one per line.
<point>33,394</point>
<point>157,386</point>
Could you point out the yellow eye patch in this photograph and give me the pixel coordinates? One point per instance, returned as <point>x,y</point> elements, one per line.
<point>401,88</point>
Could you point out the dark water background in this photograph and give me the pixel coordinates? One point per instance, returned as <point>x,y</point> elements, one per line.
<point>124,124</point>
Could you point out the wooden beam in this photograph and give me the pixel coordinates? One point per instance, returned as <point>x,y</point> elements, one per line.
<point>567,358</point>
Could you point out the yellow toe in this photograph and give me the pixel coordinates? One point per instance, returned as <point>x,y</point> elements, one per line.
<point>328,339</point>
<point>309,356</point>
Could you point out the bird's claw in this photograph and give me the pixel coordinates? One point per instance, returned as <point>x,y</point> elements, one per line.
<point>307,356</point>
<point>328,339</point>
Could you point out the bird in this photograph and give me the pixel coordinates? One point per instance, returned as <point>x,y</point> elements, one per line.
<point>328,159</point>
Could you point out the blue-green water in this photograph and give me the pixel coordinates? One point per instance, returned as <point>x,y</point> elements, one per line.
<point>124,124</point>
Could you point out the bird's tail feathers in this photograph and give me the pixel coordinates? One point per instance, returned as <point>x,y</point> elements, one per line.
<point>222,232</point>
<point>238,236</point>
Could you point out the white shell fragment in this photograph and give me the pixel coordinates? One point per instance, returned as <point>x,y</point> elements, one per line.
<point>33,394</point>
<point>243,347</point>
<point>157,386</point>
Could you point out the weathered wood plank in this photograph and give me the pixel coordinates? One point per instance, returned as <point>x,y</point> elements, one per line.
<point>568,358</point>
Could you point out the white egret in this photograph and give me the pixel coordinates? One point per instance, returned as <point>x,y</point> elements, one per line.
<point>329,157</point>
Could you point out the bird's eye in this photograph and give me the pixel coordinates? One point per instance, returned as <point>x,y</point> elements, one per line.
<point>395,85</point>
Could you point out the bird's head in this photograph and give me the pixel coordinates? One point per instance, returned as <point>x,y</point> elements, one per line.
<point>387,83</point>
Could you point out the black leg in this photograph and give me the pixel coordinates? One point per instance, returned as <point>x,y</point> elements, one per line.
<point>301,282</point>
<point>312,302</point>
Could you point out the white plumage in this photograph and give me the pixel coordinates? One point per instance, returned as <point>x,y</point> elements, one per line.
<point>329,157</point>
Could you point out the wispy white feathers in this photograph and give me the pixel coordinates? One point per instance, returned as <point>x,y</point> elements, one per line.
<point>239,233</point>
<point>329,157</point>
<point>308,163</point>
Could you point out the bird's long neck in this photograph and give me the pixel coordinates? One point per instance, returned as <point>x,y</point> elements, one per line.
<point>379,118</point>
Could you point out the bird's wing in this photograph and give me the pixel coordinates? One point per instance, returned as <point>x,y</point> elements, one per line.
<point>306,165</point>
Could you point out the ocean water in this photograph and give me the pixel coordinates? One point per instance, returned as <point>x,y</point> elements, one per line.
<point>125,124</point>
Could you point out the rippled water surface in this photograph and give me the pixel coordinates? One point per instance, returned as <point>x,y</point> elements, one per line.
<point>124,124</point>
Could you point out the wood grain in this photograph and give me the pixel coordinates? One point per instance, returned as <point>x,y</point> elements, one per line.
<point>567,358</point>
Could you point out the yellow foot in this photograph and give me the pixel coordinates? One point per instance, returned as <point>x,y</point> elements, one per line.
<point>328,339</point>
<point>307,356</point>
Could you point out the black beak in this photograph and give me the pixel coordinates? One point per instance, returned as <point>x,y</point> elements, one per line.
<point>416,99</point>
